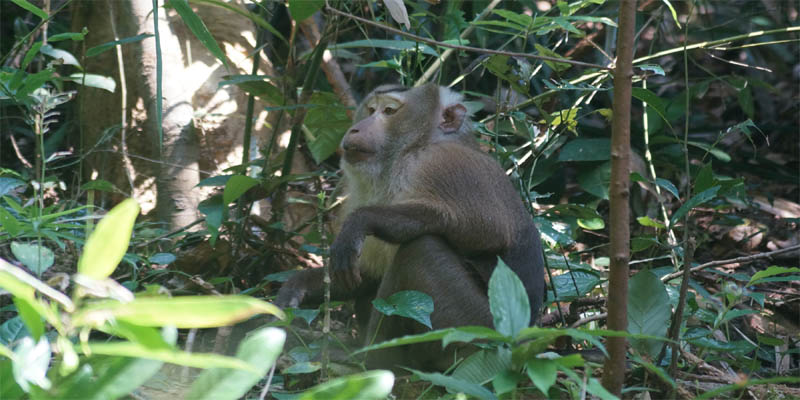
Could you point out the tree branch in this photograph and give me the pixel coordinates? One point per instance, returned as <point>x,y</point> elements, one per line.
<point>462,48</point>
<point>743,259</point>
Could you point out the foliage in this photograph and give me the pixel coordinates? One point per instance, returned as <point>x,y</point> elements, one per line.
<point>544,120</point>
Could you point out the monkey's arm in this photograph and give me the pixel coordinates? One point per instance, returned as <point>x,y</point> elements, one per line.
<point>402,223</point>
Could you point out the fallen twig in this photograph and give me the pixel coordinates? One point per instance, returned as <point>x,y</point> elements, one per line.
<point>745,259</point>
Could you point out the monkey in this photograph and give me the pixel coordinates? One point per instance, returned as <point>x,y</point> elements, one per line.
<point>426,210</point>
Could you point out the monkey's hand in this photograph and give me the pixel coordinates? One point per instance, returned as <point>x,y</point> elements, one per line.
<point>345,251</point>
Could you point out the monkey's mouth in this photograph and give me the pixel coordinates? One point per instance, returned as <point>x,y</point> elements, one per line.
<point>357,154</point>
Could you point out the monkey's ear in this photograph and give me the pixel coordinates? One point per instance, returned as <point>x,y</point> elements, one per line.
<point>453,117</point>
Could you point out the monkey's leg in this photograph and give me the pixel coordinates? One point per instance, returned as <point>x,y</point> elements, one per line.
<point>427,264</point>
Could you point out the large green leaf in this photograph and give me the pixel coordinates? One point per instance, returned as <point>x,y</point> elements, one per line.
<point>327,122</point>
<point>648,310</point>
<point>198,28</point>
<point>695,201</point>
<point>483,365</point>
<point>586,150</point>
<point>260,349</point>
<point>171,355</point>
<point>236,186</point>
<point>456,385</point>
<point>36,257</point>
<point>302,9</point>
<point>181,312</point>
<point>543,373</point>
<point>408,303</point>
<point>364,386</point>
<point>101,48</point>
<point>31,8</point>
<point>596,180</point>
<point>108,243</point>
<point>508,301</point>
<point>114,377</point>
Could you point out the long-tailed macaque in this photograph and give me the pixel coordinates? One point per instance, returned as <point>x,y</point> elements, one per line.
<point>426,210</point>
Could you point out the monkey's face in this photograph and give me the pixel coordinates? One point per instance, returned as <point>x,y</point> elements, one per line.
<point>367,139</point>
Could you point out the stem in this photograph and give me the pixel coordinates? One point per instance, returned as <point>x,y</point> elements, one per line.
<point>688,247</point>
<point>619,193</point>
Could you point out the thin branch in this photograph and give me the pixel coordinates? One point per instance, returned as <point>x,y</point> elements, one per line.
<point>744,259</point>
<point>439,61</point>
<point>459,47</point>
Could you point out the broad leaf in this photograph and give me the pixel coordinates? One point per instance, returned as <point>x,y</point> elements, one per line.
<point>368,385</point>
<point>108,243</point>
<point>408,303</point>
<point>648,310</point>
<point>508,301</point>
<point>260,349</point>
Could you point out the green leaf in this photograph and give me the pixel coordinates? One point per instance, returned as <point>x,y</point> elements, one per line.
<point>93,80</point>
<point>574,284</point>
<point>304,367</point>
<point>408,303</point>
<point>9,223</point>
<point>368,385</point>
<point>198,28</point>
<point>509,70</point>
<point>771,271</point>
<point>327,122</point>
<point>705,178</point>
<point>99,184</point>
<point>102,48</point>
<point>74,36</point>
<point>216,212</point>
<point>261,348</point>
<point>12,330</point>
<point>36,257</point>
<point>483,365</point>
<point>668,186</point>
<point>586,150</point>
<point>32,52</point>
<point>448,335</point>
<point>647,221</point>
<point>236,186</point>
<point>181,312</point>
<point>695,201</point>
<point>654,102</point>
<point>556,66</point>
<point>674,14</point>
<point>171,355</point>
<point>64,55</point>
<point>648,310</point>
<point>595,181</point>
<point>115,377</point>
<point>746,102</point>
<point>257,85</point>
<point>399,45</point>
<point>654,68</point>
<point>508,301</point>
<point>302,9</point>
<point>506,381</point>
<point>31,8</point>
<point>456,385</point>
<point>28,314</point>
<point>108,243</point>
<point>249,15</point>
<point>543,373</point>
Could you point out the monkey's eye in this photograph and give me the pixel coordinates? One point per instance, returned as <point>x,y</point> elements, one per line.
<point>389,110</point>
<point>371,110</point>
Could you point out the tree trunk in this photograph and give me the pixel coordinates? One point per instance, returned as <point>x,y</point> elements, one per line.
<point>178,173</point>
<point>619,192</point>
